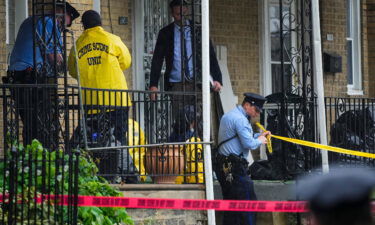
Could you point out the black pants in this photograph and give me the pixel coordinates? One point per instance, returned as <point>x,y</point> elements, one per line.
<point>238,186</point>
<point>36,107</point>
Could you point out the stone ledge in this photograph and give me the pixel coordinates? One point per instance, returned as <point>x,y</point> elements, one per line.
<point>157,187</point>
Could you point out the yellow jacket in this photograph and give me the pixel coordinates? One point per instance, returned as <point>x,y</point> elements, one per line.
<point>102,58</point>
<point>194,163</point>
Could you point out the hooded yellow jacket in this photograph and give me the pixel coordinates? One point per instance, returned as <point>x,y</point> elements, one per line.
<point>102,58</point>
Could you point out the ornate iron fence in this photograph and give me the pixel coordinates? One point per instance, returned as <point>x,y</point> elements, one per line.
<point>35,176</point>
<point>293,111</point>
<point>351,125</point>
<point>162,141</point>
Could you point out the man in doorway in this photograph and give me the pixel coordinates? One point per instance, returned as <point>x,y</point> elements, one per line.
<point>48,53</point>
<point>175,45</point>
<point>236,138</point>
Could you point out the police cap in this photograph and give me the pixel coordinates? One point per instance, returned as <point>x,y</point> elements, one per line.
<point>255,100</point>
<point>74,14</point>
<point>341,187</point>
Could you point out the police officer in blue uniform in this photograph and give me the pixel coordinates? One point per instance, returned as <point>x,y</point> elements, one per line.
<point>236,139</point>
<point>23,71</point>
<point>341,197</point>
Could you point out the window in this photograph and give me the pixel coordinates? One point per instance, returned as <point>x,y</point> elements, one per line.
<point>16,13</point>
<point>353,47</point>
<point>272,59</point>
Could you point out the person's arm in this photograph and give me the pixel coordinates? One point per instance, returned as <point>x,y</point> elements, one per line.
<point>72,68</point>
<point>52,46</point>
<point>245,134</point>
<point>157,60</point>
<point>123,54</point>
<point>215,69</point>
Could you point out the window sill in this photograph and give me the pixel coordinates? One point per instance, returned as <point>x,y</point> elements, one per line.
<point>352,91</point>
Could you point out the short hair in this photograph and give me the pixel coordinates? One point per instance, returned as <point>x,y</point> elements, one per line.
<point>91,19</point>
<point>174,3</point>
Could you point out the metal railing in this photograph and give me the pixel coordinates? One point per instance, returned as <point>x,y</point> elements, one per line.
<point>351,125</point>
<point>295,120</point>
<point>131,138</point>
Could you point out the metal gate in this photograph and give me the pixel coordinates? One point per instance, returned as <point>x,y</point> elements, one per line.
<point>37,176</point>
<point>292,109</point>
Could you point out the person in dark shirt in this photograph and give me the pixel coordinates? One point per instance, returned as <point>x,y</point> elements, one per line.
<point>174,45</point>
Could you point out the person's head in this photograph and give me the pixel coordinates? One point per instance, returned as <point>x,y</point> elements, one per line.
<point>253,104</point>
<point>91,19</point>
<point>175,6</point>
<point>70,14</point>
<point>340,197</point>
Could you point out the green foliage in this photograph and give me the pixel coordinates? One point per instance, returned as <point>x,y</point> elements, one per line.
<point>40,171</point>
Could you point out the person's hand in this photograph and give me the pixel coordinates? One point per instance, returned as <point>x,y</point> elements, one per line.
<point>153,95</point>
<point>266,133</point>
<point>262,139</point>
<point>217,86</point>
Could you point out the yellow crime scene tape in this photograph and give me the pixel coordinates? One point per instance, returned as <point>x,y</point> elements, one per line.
<point>314,145</point>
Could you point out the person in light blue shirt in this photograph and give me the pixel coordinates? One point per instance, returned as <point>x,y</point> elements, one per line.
<point>42,34</point>
<point>49,42</point>
<point>22,54</point>
<point>236,139</point>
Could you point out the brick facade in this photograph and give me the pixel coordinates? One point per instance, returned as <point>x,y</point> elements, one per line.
<point>333,21</point>
<point>370,12</point>
<point>235,25</point>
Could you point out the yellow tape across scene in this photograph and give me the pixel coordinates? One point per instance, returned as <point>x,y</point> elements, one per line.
<point>320,146</point>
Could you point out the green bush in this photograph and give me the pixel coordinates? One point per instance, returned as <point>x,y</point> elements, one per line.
<point>41,171</point>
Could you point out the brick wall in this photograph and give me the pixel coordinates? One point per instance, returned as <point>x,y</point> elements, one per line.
<point>370,10</point>
<point>3,59</point>
<point>333,21</point>
<point>235,24</point>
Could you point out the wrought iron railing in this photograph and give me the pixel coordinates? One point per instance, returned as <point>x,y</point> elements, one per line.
<point>351,125</point>
<point>131,138</point>
<point>289,160</point>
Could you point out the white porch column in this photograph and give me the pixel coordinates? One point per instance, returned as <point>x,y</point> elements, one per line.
<point>319,88</point>
<point>96,5</point>
<point>206,108</point>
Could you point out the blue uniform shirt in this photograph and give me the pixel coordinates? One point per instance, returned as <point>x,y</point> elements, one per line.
<point>236,122</point>
<point>22,54</point>
<point>175,75</point>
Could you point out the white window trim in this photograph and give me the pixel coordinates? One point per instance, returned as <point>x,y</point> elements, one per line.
<point>21,13</point>
<point>96,5</point>
<point>265,51</point>
<point>356,87</point>
<point>7,22</point>
<point>265,48</point>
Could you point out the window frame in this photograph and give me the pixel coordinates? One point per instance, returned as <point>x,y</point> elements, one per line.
<point>353,35</point>
<point>266,61</point>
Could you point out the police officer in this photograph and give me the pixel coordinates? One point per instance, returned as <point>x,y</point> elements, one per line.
<point>236,138</point>
<point>23,71</point>
<point>341,197</point>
